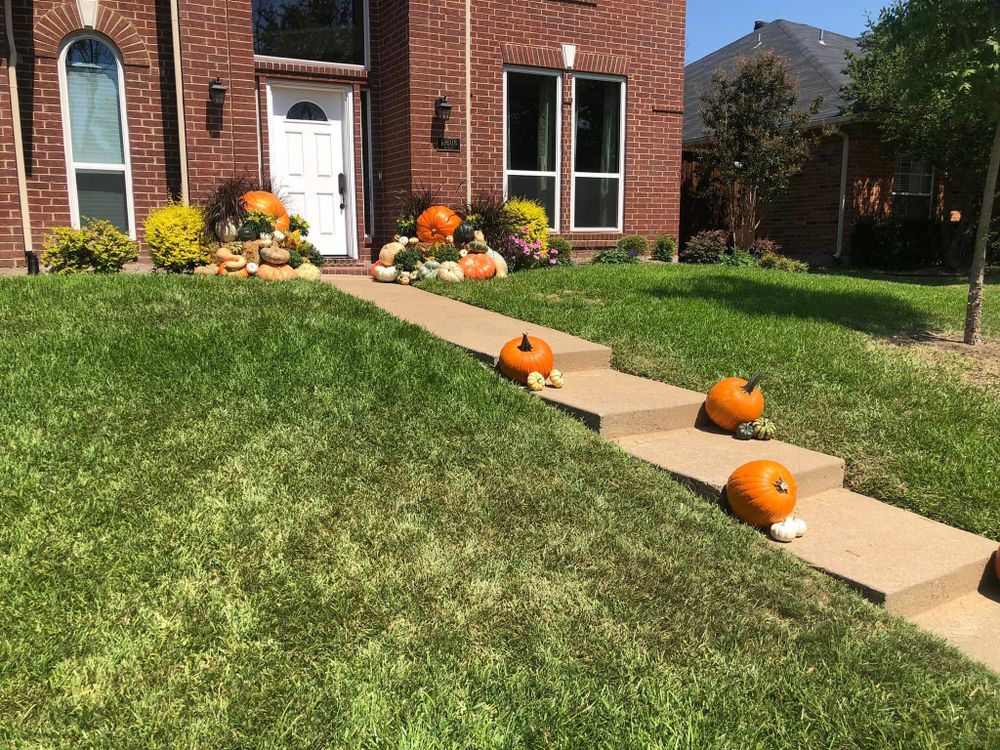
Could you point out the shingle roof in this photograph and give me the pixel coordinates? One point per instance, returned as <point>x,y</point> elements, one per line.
<point>817,57</point>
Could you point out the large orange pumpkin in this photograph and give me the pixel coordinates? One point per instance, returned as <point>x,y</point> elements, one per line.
<point>478,266</point>
<point>762,492</point>
<point>733,401</point>
<point>270,204</point>
<point>437,224</point>
<point>521,357</point>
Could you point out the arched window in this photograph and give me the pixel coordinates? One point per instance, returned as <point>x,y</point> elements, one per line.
<point>96,133</point>
<point>306,111</point>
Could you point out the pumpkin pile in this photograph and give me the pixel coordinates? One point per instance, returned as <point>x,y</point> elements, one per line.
<point>528,360</point>
<point>445,248</point>
<point>764,493</point>
<point>246,251</point>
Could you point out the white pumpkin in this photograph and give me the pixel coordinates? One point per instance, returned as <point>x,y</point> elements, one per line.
<point>309,272</point>
<point>450,271</point>
<point>500,261</point>
<point>386,274</point>
<point>252,268</point>
<point>429,269</point>
<point>404,241</point>
<point>787,530</point>
<point>225,231</point>
<point>388,253</point>
<point>278,236</point>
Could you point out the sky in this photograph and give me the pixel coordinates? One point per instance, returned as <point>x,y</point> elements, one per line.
<point>712,24</point>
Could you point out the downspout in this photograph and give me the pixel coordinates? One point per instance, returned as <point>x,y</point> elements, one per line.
<point>15,111</point>
<point>175,29</point>
<point>845,156</point>
<point>468,101</point>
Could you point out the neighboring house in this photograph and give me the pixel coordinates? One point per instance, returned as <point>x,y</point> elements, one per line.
<point>852,175</point>
<point>576,103</point>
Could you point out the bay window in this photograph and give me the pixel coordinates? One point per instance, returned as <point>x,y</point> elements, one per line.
<point>598,152</point>
<point>95,126</point>
<point>334,31</point>
<point>532,103</point>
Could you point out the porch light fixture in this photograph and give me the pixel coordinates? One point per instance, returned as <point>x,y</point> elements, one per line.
<point>569,56</point>
<point>217,92</point>
<point>442,109</point>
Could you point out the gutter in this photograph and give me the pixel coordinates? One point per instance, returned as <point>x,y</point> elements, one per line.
<point>175,31</point>
<point>842,211</point>
<point>15,110</point>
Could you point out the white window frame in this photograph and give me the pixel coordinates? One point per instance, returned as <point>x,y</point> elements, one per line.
<point>553,220</point>
<point>366,65</point>
<point>72,167</point>
<point>619,228</point>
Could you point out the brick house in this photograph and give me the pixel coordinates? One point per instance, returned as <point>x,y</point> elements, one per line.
<point>852,175</point>
<point>340,103</point>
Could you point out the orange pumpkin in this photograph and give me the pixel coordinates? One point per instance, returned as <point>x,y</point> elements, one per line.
<point>478,266</point>
<point>521,357</point>
<point>733,401</point>
<point>437,224</point>
<point>270,204</point>
<point>762,492</point>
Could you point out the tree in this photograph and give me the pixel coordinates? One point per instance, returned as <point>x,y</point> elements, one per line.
<point>930,70</point>
<point>756,138</point>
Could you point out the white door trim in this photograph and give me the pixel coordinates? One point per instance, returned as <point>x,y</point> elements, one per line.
<point>347,94</point>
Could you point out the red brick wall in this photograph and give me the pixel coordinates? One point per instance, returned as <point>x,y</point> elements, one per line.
<point>11,249</point>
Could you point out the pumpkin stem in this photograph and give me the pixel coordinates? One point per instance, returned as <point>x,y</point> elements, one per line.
<point>525,344</point>
<point>754,381</point>
<point>781,486</point>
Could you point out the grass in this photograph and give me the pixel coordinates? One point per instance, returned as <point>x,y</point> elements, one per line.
<point>914,433</point>
<point>238,515</point>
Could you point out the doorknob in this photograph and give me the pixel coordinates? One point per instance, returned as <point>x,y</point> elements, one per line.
<point>342,185</point>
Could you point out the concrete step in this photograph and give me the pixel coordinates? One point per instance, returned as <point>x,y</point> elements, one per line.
<point>704,457</point>
<point>480,332</point>
<point>616,404</point>
<point>970,623</point>
<point>906,562</point>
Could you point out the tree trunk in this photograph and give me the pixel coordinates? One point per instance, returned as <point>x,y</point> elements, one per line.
<point>974,310</point>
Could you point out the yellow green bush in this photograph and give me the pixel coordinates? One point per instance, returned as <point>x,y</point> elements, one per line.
<point>530,221</point>
<point>97,247</point>
<point>175,235</point>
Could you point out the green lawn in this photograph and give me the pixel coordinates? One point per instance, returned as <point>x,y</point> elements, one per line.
<point>242,515</point>
<point>915,432</point>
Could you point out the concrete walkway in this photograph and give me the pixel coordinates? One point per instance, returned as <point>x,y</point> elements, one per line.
<point>937,576</point>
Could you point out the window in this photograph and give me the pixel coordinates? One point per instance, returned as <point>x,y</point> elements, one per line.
<point>912,188</point>
<point>323,30</point>
<point>306,111</point>
<point>532,125</point>
<point>598,153</point>
<point>93,92</point>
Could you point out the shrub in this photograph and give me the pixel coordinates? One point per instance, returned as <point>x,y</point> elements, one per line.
<point>297,224</point>
<point>634,244</point>
<point>705,247</point>
<point>259,222</point>
<point>488,213</point>
<point>614,255</point>
<point>311,253</point>
<point>762,246</point>
<point>563,249</point>
<point>407,260</point>
<point>443,253</point>
<point>175,235</point>
<point>775,262</point>
<point>225,204</point>
<point>406,226</point>
<point>897,245</point>
<point>738,258</point>
<point>97,247</point>
<point>530,220</point>
<point>664,248</point>
<point>295,258</point>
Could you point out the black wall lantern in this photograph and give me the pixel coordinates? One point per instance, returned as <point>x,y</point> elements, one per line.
<point>442,108</point>
<point>217,92</point>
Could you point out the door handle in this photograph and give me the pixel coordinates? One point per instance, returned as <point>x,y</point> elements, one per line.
<point>342,185</point>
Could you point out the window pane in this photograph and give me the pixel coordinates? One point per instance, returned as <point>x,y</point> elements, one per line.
<point>531,122</point>
<point>325,30</point>
<point>94,110</point>
<point>598,122</point>
<point>306,111</point>
<point>596,203</point>
<point>537,188</point>
<point>102,196</point>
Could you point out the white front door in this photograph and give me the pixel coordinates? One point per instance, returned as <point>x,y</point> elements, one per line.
<point>312,160</point>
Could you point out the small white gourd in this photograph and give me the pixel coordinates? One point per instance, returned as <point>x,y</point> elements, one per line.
<point>278,236</point>
<point>404,278</point>
<point>557,379</point>
<point>252,268</point>
<point>536,381</point>
<point>783,531</point>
